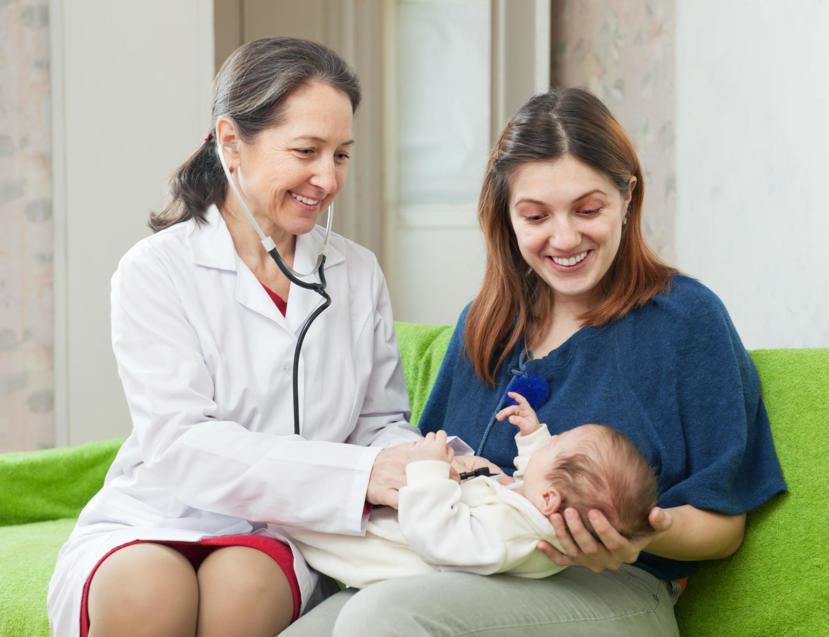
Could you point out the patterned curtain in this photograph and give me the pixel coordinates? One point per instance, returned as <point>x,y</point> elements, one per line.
<point>26,254</point>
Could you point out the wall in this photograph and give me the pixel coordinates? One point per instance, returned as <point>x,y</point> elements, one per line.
<point>132,89</point>
<point>27,417</point>
<point>752,134</point>
<point>434,259</point>
<point>624,53</point>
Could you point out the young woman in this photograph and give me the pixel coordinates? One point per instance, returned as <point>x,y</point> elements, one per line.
<point>572,294</point>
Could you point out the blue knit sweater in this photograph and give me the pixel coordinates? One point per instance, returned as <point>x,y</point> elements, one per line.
<point>672,375</point>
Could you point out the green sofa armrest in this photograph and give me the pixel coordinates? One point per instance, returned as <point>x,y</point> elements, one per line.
<point>53,483</point>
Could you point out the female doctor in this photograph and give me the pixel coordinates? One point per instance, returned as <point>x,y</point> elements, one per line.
<point>204,328</point>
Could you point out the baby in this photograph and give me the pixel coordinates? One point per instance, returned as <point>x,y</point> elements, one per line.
<point>492,525</point>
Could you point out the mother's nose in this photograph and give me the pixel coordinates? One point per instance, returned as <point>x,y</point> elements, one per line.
<point>563,236</point>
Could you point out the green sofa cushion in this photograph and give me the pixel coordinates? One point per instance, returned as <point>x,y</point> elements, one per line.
<point>775,584</point>
<point>27,558</point>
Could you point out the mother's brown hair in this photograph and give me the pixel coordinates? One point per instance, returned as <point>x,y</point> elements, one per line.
<point>512,299</point>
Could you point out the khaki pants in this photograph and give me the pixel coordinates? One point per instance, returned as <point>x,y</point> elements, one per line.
<point>575,602</point>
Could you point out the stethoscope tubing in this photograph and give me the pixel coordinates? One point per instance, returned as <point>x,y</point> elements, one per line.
<point>290,273</point>
<point>319,288</point>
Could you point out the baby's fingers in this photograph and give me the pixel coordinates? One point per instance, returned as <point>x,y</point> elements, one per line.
<point>512,410</point>
<point>522,402</point>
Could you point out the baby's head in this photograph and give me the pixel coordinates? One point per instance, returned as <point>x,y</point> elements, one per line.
<point>593,467</point>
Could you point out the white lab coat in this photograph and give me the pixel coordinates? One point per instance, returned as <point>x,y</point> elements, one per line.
<point>206,358</point>
<point>477,526</point>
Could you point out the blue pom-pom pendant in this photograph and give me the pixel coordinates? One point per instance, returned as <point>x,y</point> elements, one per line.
<point>534,388</point>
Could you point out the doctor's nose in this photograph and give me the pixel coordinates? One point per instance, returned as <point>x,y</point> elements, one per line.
<point>325,176</point>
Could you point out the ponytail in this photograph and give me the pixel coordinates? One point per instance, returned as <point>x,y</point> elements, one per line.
<point>198,183</point>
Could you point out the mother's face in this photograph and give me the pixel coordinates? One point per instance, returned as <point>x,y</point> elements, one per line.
<point>291,172</point>
<point>567,218</point>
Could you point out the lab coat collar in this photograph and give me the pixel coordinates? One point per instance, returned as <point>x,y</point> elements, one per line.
<point>213,247</point>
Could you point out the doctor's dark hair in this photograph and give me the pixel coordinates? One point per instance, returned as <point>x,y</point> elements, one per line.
<point>513,299</point>
<point>251,89</point>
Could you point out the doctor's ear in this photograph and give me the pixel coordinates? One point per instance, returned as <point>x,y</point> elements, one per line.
<point>229,139</point>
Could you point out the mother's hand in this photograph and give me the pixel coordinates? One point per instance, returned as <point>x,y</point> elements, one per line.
<point>388,474</point>
<point>580,548</point>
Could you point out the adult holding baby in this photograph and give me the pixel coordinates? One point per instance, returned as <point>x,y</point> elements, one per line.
<point>572,295</point>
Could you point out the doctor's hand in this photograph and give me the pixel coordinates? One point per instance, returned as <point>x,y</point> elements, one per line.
<point>609,551</point>
<point>388,474</point>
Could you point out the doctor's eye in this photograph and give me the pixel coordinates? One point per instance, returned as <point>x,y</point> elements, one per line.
<point>304,152</point>
<point>342,156</point>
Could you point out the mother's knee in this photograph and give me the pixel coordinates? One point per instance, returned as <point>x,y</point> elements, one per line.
<point>388,608</point>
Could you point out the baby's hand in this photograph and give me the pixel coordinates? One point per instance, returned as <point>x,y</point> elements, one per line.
<point>521,415</point>
<point>432,447</point>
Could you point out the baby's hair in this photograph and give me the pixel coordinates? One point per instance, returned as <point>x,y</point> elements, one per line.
<point>607,473</point>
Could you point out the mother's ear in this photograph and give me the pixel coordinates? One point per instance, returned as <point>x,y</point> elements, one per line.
<point>629,195</point>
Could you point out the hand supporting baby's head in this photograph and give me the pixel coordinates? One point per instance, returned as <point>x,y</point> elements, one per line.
<point>593,467</point>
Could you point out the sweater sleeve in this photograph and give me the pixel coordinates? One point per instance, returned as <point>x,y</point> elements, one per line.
<point>731,464</point>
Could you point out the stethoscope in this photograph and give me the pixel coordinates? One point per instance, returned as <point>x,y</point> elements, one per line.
<point>293,276</point>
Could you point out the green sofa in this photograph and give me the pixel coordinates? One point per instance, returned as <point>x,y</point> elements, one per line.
<point>777,584</point>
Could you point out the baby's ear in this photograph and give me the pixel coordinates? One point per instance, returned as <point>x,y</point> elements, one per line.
<point>550,501</point>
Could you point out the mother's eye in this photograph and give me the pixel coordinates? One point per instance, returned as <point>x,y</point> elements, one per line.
<point>590,212</point>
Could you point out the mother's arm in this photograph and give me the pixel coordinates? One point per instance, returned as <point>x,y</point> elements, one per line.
<point>681,533</point>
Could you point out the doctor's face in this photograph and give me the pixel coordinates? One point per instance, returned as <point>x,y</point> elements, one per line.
<point>291,172</point>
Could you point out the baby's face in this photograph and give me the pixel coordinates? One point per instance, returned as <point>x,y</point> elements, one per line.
<point>536,482</point>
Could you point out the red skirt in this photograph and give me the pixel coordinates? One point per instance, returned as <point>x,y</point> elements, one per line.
<point>197,552</point>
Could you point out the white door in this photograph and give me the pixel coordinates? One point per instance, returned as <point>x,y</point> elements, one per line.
<point>455,72</point>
